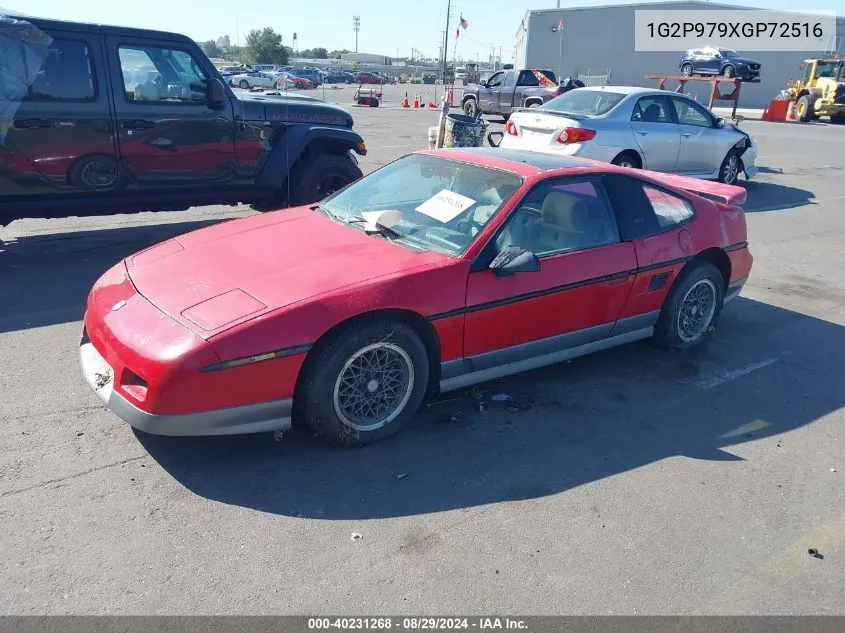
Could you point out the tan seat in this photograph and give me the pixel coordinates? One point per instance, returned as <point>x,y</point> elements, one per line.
<point>566,223</point>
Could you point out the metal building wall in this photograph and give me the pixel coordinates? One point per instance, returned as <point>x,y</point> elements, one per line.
<point>598,38</point>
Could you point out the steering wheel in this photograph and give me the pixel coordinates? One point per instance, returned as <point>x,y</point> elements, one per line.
<point>465,225</point>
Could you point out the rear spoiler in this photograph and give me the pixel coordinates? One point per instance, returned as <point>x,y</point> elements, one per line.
<point>715,191</point>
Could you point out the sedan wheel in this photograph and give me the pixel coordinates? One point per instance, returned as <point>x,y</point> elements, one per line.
<point>692,308</point>
<point>373,386</point>
<point>364,383</point>
<point>244,84</point>
<point>697,309</point>
<point>729,172</point>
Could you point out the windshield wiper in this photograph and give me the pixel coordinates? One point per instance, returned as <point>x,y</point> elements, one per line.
<point>380,229</point>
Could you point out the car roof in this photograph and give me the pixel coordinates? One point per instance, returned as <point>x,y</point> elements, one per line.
<point>85,27</point>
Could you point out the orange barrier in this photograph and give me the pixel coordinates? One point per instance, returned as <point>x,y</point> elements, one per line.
<point>778,110</point>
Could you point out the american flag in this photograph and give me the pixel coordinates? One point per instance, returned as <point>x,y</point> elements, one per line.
<point>463,24</point>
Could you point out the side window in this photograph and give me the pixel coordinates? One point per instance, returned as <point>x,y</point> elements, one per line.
<point>642,210</point>
<point>509,80</point>
<point>669,209</point>
<point>527,78</point>
<point>560,216</point>
<point>65,75</point>
<point>495,80</point>
<point>651,110</point>
<point>151,73</point>
<point>690,113</point>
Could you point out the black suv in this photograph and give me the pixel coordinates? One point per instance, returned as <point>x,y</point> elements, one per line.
<point>100,119</point>
<point>719,61</point>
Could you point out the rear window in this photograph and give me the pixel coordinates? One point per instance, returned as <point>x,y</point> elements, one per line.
<point>585,102</point>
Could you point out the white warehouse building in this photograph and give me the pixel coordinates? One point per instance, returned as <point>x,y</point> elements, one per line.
<point>600,41</point>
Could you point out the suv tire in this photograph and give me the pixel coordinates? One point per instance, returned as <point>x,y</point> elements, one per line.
<point>313,179</point>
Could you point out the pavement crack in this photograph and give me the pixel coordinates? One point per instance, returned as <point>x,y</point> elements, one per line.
<point>59,480</point>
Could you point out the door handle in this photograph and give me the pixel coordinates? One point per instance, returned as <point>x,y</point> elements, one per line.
<point>686,134</point>
<point>138,124</point>
<point>642,133</point>
<point>33,123</point>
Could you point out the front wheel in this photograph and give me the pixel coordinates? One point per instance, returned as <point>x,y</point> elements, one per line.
<point>243,84</point>
<point>730,168</point>
<point>804,110</point>
<point>471,108</point>
<point>364,384</point>
<point>692,308</point>
<point>686,70</point>
<point>728,71</point>
<point>316,178</point>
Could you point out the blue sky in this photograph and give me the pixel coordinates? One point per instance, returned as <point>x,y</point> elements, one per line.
<point>386,26</point>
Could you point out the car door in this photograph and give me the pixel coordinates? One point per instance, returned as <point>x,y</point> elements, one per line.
<point>58,131</point>
<point>708,61</point>
<point>488,94</point>
<point>576,296</point>
<point>703,146</point>
<point>656,133</point>
<point>508,95</point>
<point>657,223</point>
<point>168,134</point>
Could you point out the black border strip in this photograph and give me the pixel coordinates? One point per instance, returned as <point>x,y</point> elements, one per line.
<point>571,286</point>
<point>279,353</point>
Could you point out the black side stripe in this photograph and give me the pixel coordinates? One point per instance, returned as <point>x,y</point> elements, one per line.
<point>555,289</point>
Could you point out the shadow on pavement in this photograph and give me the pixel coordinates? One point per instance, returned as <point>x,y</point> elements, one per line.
<point>46,279</point>
<point>767,371</point>
<point>767,196</point>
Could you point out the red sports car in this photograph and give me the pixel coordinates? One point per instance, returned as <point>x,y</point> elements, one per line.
<point>442,269</point>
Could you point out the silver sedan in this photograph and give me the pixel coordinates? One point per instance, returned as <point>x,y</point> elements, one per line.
<point>636,127</point>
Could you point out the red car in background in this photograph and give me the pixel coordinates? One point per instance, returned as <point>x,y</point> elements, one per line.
<point>442,269</point>
<point>368,78</point>
<point>299,82</point>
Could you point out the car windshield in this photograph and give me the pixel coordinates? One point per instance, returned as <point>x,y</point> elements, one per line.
<point>424,201</point>
<point>584,102</point>
<point>726,52</point>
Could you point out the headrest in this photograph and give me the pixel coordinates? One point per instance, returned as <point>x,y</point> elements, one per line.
<point>566,211</point>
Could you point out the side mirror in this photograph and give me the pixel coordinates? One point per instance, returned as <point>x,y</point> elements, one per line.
<point>216,93</point>
<point>720,122</point>
<point>512,260</point>
<point>496,143</point>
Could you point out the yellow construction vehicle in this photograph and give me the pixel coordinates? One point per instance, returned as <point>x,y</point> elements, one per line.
<point>821,91</point>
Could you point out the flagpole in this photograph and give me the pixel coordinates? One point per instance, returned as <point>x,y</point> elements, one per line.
<point>559,53</point>
<point>446,40</point>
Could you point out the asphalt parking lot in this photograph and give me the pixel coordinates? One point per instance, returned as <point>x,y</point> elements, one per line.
<point>633,481</point>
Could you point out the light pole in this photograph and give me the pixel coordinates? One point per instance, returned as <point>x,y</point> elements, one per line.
<point>356,26</point>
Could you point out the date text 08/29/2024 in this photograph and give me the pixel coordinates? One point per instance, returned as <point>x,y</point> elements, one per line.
<point>481,623</point>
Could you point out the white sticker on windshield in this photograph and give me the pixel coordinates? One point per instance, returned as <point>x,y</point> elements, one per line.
<point>445,206</point>
<point>371,217</point>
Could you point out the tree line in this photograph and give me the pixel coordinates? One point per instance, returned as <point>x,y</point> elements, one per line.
<point>263,46</point>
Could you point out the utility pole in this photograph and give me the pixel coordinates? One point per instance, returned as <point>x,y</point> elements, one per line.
<point>446,38</point>
<point>356,26</point>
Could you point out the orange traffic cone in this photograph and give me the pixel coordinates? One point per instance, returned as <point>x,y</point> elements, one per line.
<point>405,103</point>
<point>451,96</point>
<point>431,104</point>
<point>416,101</point>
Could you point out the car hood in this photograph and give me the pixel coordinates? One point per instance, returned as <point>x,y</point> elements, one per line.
<point>286,108</point>
<point>215,278</point>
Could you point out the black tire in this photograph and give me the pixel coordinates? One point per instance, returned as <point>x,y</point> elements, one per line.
<point>705,277</point>
<point>470,107</point>
<point>319,400</point>
<point>730,168</point>
<point>243,84</point>
<point>804,110</point>
<point>314,178</point>
<point>97,171</point>
<point>686,70</point>
<point>627,159</point>
<point>729,72</point>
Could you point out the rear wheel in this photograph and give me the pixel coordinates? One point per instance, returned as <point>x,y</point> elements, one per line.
<point>692,308</point>
<point>686,70</point>
<point>316,178</point>
<point>364,384</point>
<point>627,159</point>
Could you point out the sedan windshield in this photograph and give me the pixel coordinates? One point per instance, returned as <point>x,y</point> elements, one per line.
<point>584,102</point>
<point>426,202</point>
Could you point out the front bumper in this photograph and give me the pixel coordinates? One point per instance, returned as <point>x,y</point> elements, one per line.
<point>749,161</point>
<point>254,418</point>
